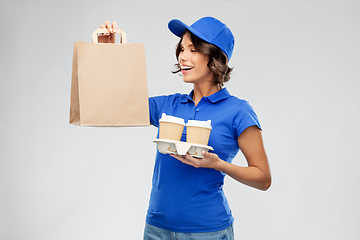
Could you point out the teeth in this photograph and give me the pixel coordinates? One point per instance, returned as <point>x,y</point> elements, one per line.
<point>185,68</point>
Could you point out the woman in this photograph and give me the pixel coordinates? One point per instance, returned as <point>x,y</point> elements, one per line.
<point>187,199</point>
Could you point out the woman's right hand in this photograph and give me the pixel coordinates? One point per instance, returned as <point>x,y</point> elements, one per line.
<point>108,37</point>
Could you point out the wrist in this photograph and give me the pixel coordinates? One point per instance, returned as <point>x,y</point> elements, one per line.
<point>220,165</point>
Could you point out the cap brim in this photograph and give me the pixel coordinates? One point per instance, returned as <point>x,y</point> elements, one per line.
<point>177,27</point>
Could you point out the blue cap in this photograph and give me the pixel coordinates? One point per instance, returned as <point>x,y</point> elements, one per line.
<point>208,29</point>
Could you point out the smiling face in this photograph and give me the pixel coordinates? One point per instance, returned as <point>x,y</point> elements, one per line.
<point>193,64</point>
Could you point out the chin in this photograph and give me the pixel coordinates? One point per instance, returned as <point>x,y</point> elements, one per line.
<point>187,80</point>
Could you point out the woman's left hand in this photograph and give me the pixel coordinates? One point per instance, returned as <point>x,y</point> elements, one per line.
<point>210,160</point>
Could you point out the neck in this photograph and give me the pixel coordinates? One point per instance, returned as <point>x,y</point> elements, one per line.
<point>203,90</point>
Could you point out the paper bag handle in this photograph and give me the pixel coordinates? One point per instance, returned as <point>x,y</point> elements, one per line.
<point>104,30</point>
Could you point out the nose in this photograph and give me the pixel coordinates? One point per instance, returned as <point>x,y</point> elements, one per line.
<point>182,57</point>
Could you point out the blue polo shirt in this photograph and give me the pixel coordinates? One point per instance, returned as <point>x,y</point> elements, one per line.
<point>188,199</point>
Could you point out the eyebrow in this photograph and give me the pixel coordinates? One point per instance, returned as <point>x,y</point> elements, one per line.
<point>190,45</point>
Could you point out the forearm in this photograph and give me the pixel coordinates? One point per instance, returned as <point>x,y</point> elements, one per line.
<point>250,176</point>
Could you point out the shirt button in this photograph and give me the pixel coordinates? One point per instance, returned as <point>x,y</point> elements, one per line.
<point>197,109</point>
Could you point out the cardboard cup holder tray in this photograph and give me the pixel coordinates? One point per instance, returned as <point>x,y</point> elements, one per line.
<point>181,148</point>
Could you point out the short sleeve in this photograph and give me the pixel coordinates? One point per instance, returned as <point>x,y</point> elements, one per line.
<point>155,106</point>
<point>161,104</point>
<point>245,117</point>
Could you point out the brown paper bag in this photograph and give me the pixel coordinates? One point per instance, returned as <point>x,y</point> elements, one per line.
<point>109,84</point>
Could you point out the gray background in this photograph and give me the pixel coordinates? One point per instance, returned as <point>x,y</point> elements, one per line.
<point>296,62</point>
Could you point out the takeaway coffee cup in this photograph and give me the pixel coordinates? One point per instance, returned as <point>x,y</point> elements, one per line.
<point>198,131</point>
<point>171,127</point>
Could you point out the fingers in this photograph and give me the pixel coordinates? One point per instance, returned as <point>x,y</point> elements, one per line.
<point>112,28</point>
<point>187,159</point>
<point>209,155</point>
<point>110,36</point>
<point>182,159</point>
<point>108,26</point>
<point>210,160</point>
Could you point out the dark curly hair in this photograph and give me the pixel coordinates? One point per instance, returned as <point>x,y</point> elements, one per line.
<point>217,63</point>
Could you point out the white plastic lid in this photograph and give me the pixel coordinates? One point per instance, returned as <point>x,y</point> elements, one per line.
<point>172,119</point>
<point>196,123</point>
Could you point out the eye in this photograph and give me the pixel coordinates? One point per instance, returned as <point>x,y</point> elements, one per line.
<point>193,50</point>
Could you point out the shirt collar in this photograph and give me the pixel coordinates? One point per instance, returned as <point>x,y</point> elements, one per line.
<point>219,95</point>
